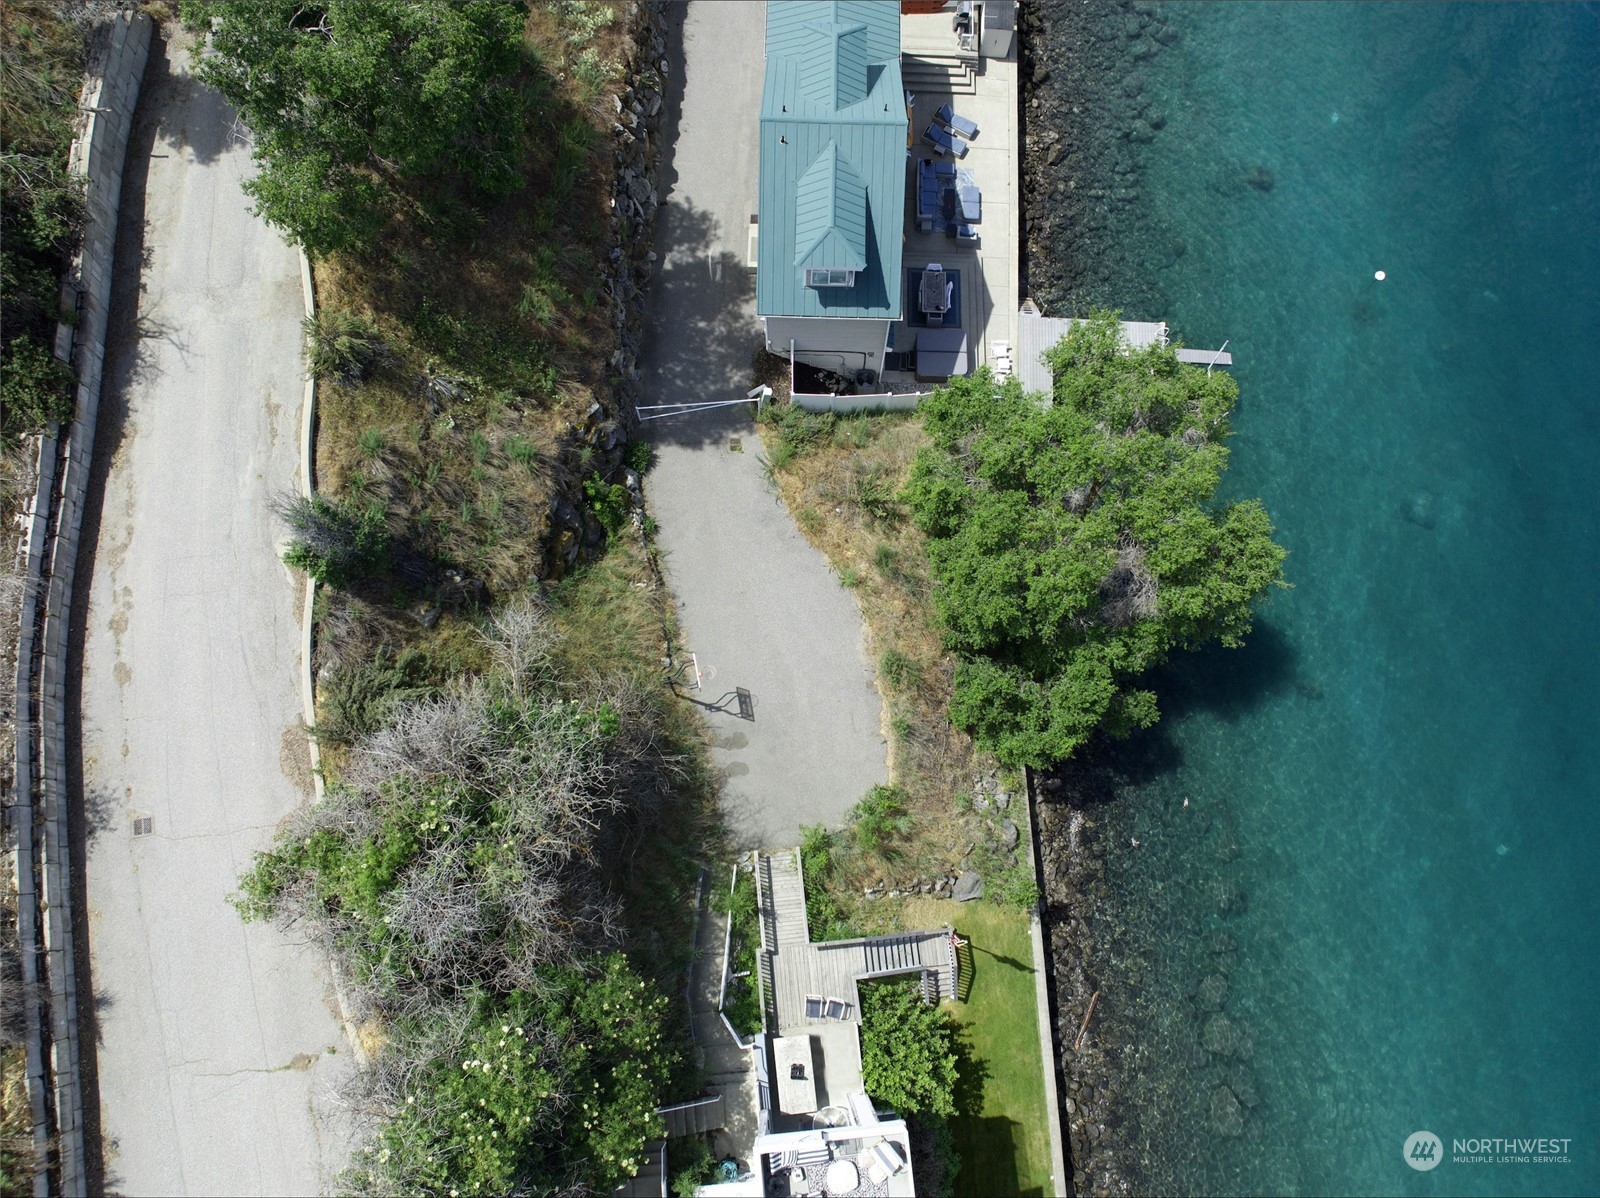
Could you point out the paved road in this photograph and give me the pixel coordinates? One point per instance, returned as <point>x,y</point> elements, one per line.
<point>214,1062</point>
<point>758,605</point>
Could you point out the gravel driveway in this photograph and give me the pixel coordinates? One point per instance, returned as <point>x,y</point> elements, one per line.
<point>759,606</point>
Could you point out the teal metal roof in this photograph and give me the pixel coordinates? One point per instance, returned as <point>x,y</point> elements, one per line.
<point>833,158</point>
<point>830,216</point>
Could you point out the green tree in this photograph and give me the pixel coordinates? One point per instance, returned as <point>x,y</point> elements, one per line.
<point>353,102</point>
<point>1076,544</point>
<point>908,1050</point>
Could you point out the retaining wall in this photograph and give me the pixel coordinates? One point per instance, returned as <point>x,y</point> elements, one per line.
<point>42,809</point>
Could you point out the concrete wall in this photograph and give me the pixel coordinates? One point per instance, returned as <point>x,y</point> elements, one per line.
<point>41,810</point>
<point>858,403</point>
<point>842,345</point>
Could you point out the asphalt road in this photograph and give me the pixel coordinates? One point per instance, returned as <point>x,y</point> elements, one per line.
<point>759,607</point>
<point>218,1042</point>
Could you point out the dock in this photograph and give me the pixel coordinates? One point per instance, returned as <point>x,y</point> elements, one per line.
<point>1037,333</point>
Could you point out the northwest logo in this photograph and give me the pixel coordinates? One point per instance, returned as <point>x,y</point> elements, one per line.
<point>1422,1150</point>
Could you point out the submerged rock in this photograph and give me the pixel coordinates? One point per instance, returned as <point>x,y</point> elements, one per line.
<point>1243,1086</point>
<point>1422,510</point>
<point>1227,1116</point>
<point>1261,178</point>
<point>1213,992</point>
<point>1221,1036</point>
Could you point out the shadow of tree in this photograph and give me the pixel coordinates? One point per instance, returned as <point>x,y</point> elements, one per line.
<point>1230,683</point>
<point>972,1074</point>
<point>183,112</point>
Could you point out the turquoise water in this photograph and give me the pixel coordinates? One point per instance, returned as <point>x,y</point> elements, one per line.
<point>1396,783</point>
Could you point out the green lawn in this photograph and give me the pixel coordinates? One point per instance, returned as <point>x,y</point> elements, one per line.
<point>1002,1133</point>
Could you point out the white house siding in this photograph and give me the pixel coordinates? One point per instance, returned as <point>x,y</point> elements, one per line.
<point>842,345</point>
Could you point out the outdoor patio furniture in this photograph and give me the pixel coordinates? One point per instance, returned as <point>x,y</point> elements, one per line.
<point>883,1162</point>
<point>942,353</point>
<point>942,140</point>
<point>928,192</point>
<point>956,124</point>
<point>838,1009</point>
<point>933,298</point>
<point>813,1006</point>
<point>964,234</point>
<point>971,204</point>
<point>842,1177</point>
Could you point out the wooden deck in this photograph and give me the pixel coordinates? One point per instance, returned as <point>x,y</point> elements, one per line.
<point>797,969</point>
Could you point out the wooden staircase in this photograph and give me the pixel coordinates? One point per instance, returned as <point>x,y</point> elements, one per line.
<point>786,892</point>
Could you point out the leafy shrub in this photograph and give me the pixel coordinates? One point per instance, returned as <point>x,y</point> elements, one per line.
<point>611,502</point>
<point>342,345</point>
<point>424,88</point>
<point>550,1089</point>
<point>743,1005</point>
<point>34,389</point>
<point>825,920</point>
<point>879,819</point>
<point>899,671</point>
<point>1076,546</point>
<point>798,430</point>
<point>908,1050</point>
<point>358,700</point>
<point>876,497</point>
<point>641,455</point>
<point>692,1164</point>
<point>334,542</point>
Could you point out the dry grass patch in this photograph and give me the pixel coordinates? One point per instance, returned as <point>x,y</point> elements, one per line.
<point>841,484</point>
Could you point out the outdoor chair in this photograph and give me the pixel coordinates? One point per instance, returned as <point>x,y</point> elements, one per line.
<point>971,204</point>
<point>883,1162</point>
<point>813,1006</point>
<point>838,1009</point>
<point>942,140</point>
<point>956,124</point>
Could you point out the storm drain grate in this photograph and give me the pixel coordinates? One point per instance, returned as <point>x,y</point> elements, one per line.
<point>736,444</point>
<point>143,825</point>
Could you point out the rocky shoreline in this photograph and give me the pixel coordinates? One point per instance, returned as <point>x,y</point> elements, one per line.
<point>1144,896</point>
<point>1088,237</point>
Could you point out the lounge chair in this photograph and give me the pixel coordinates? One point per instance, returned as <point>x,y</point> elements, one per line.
<point>883,1162</point>
<point>956,124</point>
<point>942,140</point>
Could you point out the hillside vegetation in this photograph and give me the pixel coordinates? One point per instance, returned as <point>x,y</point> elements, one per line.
<point>41,210</point>
<point>504,865</point>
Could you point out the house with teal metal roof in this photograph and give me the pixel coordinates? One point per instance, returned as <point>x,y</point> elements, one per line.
<point>833,182</point>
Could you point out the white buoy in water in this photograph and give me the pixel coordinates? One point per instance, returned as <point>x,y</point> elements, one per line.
<point>1379,275</point>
